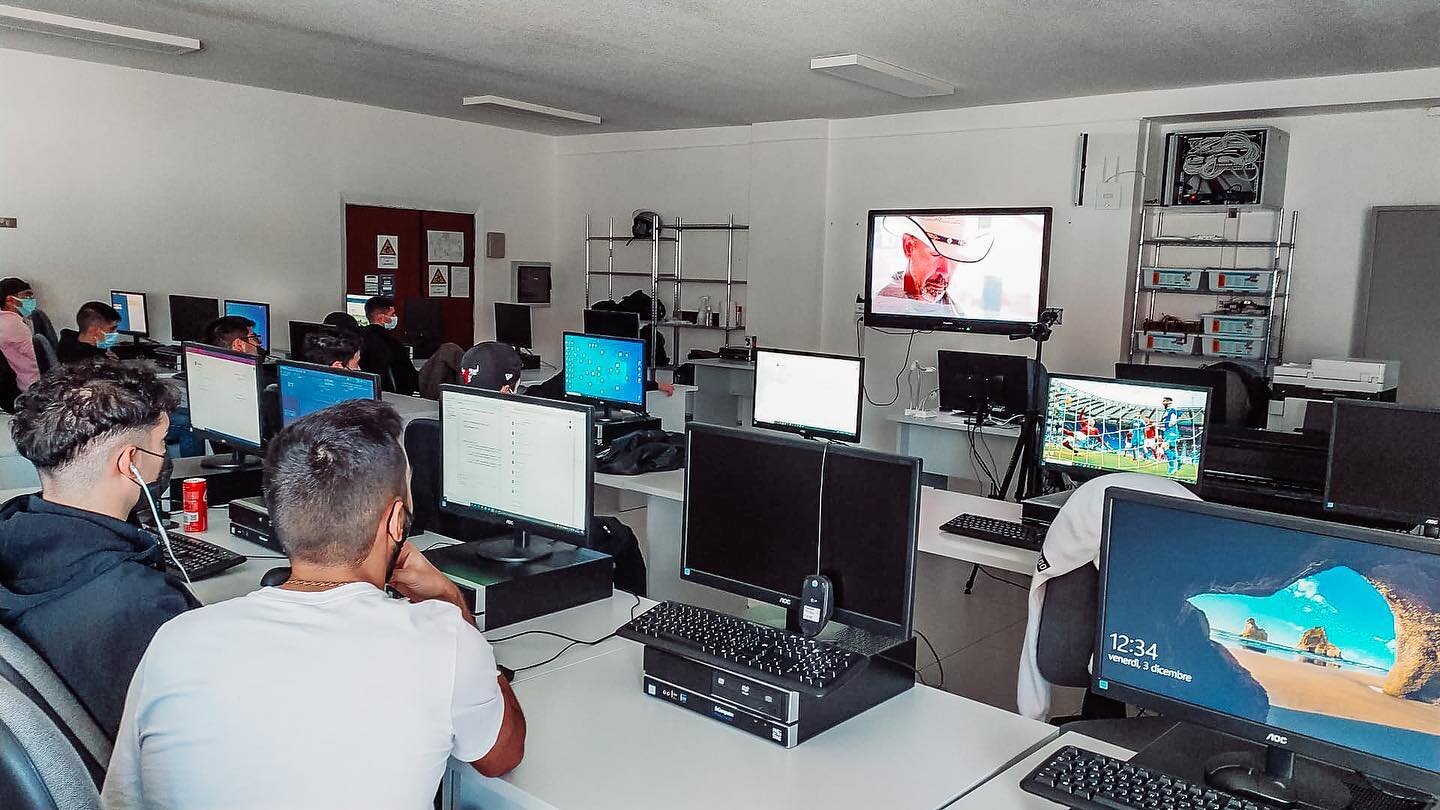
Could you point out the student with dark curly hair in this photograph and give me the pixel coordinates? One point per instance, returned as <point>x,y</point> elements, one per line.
<point>77,583</point>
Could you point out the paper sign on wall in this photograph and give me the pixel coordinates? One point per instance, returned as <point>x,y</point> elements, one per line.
<point>387,253</point>
<point>372,285</point>
<point>459,282</point>
<point>387,283</point>
<point>446,246</point>
<point>439,281</point>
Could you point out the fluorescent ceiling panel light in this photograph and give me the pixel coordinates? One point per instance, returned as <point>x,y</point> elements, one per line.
<point>525,106</point>
<point>43,22</point>
<point>854,67</point>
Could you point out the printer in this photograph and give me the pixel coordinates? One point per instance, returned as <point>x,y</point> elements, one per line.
<point>1325,379</point>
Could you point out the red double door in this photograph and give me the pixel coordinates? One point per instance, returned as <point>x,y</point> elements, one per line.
<point>413,268</point>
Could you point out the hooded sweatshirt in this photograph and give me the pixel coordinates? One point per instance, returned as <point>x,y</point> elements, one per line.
<point>87,592</point>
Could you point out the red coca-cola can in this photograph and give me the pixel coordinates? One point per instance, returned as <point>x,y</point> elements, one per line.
<point>197,513</point>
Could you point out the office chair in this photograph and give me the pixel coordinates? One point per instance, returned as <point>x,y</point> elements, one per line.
<point>39,768</point>
<point>1063,650</point>
<point>26,671</point>
<point>1247,395</point>
<point>41,324</point>
<point>46,356</point>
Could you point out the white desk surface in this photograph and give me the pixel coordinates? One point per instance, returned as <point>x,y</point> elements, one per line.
<point>950,421</point>
<point>1003,791</point>
<point>596,742</point>
<point>412,407</point>
<point>938,506</point>
<point>669,485</point>
<point>585,622</point>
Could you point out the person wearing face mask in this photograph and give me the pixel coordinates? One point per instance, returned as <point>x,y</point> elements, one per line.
<point>94,336</point>
<point>17,304</point>
<point>79,584</point>
<point>382,353</point>
<point>371,695</point>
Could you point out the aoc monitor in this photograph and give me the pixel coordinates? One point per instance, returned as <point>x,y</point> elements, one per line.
<point>957,269</point>
<point>257,312</point>
<point>1384,462</point>
<point>306,388</point>
<point>812,394</point>
<point>512,325</point>
<point>1095,426</point>
<point>134,312</point>
<point>605,370</point>
<point>189,314</point>
<point>1308,637</point>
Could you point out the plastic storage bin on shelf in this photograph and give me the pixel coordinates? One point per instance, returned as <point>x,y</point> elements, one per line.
<point>1168,342</point>
<point>1240,280</point>
<point>1173,278</point>
<point>1233,348</point>
<point>1223,323</point>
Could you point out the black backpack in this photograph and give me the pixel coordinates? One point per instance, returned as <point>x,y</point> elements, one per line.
<point>641,452</point>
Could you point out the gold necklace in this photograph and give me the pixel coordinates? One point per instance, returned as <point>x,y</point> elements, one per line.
<point>320,583</point>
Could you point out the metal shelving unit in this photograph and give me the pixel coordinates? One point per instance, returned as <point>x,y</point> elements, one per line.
<point>1280,248</point>
<point>674,275</point>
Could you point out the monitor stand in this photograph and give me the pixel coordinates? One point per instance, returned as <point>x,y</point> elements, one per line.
<point>1264,773</point>
<point>521,547</point>
<point>234,460</point>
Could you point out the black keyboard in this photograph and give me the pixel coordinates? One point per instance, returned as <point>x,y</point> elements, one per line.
<point>1004,532</point>
<point>784,659</point>
<point>199,558</point>
<point>1088,781</point>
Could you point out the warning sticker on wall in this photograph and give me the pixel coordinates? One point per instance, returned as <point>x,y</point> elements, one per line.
<point>387,253</point>
<point>439,281</point>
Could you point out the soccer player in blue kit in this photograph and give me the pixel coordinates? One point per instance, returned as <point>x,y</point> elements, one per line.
<point>1170,432</point>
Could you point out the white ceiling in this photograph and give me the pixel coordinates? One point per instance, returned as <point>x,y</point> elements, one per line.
<point>652,64</point>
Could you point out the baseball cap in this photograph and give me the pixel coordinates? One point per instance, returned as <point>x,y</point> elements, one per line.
<point>12,286</point>
<point>491,365</point>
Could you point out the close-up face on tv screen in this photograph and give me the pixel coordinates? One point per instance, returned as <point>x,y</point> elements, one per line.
<point>971,266</point>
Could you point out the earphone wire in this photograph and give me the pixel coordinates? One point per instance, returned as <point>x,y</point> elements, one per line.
<point>160,525</point>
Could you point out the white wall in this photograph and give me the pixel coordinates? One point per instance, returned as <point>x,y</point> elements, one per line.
<point>1347,153</point>
<point>135,180</point>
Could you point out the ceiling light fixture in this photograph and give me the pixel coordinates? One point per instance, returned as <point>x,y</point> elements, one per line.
<point>43,22</point>
<point>525,106</point>
<point>861,69</point>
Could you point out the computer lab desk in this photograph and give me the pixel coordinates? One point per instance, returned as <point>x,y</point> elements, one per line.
<point>944,444</point>
<point>1002,792</point>
<point>596,742</point>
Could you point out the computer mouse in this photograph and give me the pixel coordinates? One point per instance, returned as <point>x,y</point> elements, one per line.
<point>817,602</point>
<point>275,577</point>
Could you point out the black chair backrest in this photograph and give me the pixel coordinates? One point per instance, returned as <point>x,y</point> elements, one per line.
<point>9,386</point>
<point>20,781</point>
<point>46,356</point>
<point>422,445</point>
<point>1067,627</point>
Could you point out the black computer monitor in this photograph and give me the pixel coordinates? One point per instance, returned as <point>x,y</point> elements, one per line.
<point>1384,461</point>
<point>984,385</point>
<point>1306,636</point>
<point>1095,426</point>
<point>605,370</point>
<point>257,312</point>
<point>529,462</point>
<point>299,330</point>
<point>512,325</point>
<point>134,312</point>
<point>306,388</point>
<point>809,393</point>
<point>223,392</point>
<point>612,322</point>
<point>1214,379</point>
<point>754,522</point>
<point>189,315</point>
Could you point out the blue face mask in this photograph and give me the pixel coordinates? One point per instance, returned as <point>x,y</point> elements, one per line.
<point>108,340</point>
<point>392,323</point>
<point>27,307</point>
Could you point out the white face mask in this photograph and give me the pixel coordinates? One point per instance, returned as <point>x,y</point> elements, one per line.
<point>392,323</point>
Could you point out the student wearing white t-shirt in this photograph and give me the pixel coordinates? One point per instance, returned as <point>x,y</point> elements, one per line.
<point>322,692</point>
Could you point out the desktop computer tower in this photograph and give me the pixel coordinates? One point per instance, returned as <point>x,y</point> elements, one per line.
<point>785,717</point>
